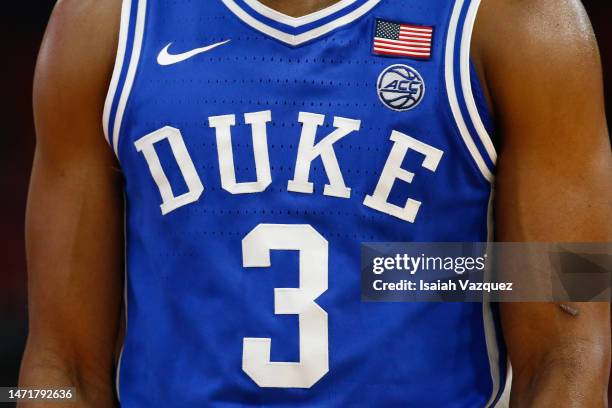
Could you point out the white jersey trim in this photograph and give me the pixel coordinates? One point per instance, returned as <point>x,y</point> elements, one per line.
<point>449,64</point>
<point>297,21</point>
<point>466,81</point>
<point>119,59</point>
<point>299,39</point>
<point>131,74</point>
<point>487,315</point>
<point>493,351</point>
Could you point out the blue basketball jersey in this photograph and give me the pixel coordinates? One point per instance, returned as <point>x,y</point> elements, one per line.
<point>259,150</point>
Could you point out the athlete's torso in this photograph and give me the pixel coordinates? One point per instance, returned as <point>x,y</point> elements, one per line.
<point>254,168</point>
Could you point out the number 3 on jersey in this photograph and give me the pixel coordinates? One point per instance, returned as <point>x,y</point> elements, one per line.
<point>314,350</point>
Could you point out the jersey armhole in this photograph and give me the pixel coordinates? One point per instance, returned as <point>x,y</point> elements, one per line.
<point>472,119</point>
<point>481,104</point>
<point>131,33</point>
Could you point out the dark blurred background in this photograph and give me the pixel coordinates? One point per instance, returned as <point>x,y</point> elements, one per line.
<point>22,27</point>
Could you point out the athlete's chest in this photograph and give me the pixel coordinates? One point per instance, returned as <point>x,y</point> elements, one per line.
<point>358,114</point>
<point>331,118</point>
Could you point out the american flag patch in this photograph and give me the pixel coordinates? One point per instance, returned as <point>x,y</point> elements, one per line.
<point>402,40</point>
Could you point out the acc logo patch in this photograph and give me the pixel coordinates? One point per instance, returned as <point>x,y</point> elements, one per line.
<point>400,87</point>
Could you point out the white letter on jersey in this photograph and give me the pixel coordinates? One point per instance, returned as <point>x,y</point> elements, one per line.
<point>313,259</point>
<point>146,145</point>
<point>393,171</point>
<point>308,151</point>
<point>223,125</point>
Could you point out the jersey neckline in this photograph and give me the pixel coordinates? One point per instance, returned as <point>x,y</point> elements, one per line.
<point>295,31</point>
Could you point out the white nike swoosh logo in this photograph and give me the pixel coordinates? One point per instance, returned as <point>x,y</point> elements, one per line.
<point>165,58</point>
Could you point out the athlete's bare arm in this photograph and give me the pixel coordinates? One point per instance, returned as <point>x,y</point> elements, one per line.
<point>74,215</point>
<point>541,63</point>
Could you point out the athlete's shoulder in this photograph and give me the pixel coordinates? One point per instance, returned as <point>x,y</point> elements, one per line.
<point>531,44</point>
<point>83,26</point>
<point>530,31</point>
<point>80,41</point>
<point>76,59</point>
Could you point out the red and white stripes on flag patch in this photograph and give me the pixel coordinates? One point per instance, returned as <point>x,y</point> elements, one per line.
<point>402,40</point>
